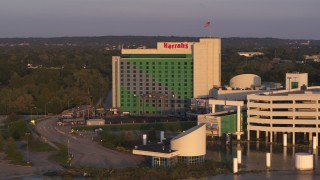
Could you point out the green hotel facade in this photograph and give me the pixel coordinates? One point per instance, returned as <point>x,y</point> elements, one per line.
<point>163,81</point>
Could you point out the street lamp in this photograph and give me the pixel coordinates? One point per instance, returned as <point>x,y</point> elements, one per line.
<point>27,134</point>
<point>289,78</point>
<point>143,104</point>
<point>161,105</point>
<point>136,97</point>
<point>174,103</point>
<point>45,109</point>
<point>31,112</point>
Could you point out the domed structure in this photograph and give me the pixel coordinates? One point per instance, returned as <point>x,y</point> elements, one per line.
<point>244,81</point>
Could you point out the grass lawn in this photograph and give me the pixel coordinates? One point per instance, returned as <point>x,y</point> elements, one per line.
<point>61,157</point>
<point>163,126</point>
<point>38,146</point>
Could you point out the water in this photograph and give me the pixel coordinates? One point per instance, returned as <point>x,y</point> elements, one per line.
<point>253,164</point>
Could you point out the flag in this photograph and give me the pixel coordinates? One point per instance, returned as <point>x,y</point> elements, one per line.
<point>207,24</point>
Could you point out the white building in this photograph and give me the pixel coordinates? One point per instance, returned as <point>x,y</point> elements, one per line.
<point>250,54</point>
<point>288,111</point>
<point>188,147</point>
<point>96,122</point>
<point>315,58</point>
<point>296,80</point>
<point>163,80</point>
<point>246,81</point>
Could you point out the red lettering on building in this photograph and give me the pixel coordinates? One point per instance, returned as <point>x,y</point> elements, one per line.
<point>176,45</point>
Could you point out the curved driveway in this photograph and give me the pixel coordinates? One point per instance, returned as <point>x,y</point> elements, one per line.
<point>86,152</point>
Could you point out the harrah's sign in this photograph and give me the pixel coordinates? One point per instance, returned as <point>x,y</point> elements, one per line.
<point>176,45</point>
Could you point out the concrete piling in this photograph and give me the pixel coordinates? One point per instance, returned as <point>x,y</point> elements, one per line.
<point>239,156</point>
<point>285,140</point>
<point>144,139</point>
<point>268,160</point>
<point>314,142</point>
<point>235,165</point>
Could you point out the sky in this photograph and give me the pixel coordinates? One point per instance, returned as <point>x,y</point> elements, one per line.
<point>288,19</point>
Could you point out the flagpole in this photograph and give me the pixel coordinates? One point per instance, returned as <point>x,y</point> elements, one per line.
<point>208,25</point>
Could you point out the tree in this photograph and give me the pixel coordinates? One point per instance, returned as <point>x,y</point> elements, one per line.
<point>18,129</point>
<point>11,117</point>
<point>10,147</point>
<point>1,142</point>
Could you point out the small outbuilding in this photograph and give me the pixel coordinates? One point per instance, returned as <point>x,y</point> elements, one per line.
<point>95,122</point>
<point>189,147</point>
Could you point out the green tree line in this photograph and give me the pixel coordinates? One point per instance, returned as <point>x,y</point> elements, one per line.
<point>66,77</point>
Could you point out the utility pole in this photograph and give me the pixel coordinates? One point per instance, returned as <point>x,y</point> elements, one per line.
<point>27,134</point>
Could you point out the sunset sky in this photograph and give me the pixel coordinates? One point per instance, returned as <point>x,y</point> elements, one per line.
<point>295,19</point>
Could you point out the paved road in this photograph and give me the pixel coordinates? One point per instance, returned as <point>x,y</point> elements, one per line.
<point>8,170</point>
<point>85,151</point>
